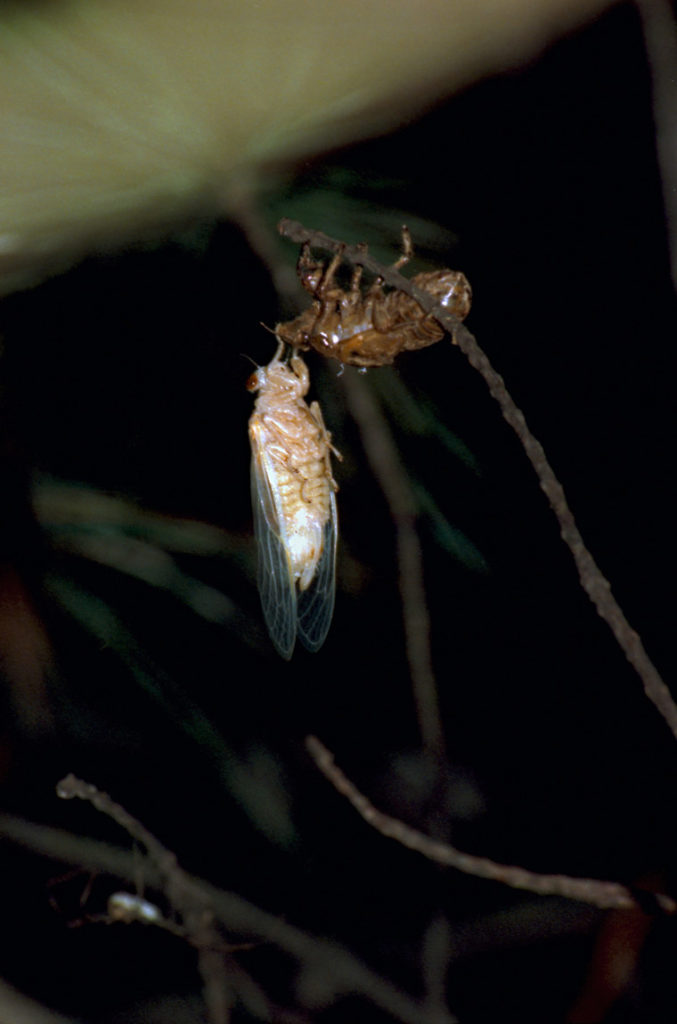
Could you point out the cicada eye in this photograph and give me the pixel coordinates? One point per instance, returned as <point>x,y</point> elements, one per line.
<point>253,382</point>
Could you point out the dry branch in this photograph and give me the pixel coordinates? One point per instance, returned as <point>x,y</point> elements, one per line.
<point>327,967</point>
<point>588,890</point>
<point>660,39</point>
<point>381,451</point>
<point>592,580</point>
<point>183,896</point>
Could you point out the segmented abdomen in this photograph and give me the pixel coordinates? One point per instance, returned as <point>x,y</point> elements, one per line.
<point>305,504</point>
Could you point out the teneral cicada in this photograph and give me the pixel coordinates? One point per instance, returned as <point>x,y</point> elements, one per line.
<point>123,906</point>
<point>293,496</point>
<point>370,328</point>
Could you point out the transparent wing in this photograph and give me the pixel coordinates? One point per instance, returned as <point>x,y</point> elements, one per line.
<point>277,589</point>
<point>316,604</point>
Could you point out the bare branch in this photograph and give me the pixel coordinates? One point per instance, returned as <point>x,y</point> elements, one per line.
<point>587,890</point>
<point>71,787</point>
<point>383,458</point>
<point>185,898</point>
<point>358,255</point>
<point>592,580</point>
<point>660,40</point>
<point>333,970</point>
<point>437,952</point>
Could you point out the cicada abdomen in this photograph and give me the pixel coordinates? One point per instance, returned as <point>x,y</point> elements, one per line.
<point>370,328</point>
<point>293,497</point>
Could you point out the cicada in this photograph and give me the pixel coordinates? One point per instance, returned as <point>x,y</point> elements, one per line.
<point>293,496</point>
<point>370,328</point>
<point>122,906</point>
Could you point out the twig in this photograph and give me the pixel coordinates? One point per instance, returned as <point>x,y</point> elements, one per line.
<point>592,580</point>
<point>336,972</point>
<point>436,959</point>
<point>529,922</point>
<point>185,898</point>
<point>387,468</point>
<point>660,39</point>
<point>587,890</point>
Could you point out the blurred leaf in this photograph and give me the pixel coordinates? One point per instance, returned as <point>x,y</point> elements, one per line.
<point>449,537</point>
<point>418,415</point>
<point>124,120</point>
<point>66,507</point>
<point>351,206</point>
<point>258,790</point>
<point>113,531</point>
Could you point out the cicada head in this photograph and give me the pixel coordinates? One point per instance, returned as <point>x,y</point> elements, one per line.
<point>275,377</point>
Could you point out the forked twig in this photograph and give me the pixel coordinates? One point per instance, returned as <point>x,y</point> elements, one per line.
<point>328,967</point>
<point>592,580</point>
<point>183,895</point>
<point>588,890</point>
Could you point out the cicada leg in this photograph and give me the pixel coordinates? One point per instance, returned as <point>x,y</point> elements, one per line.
<point>407,249</point>
<point>301,371</point>
<point>324,285</point>
<point>316,413</point>
<point>309,271</point>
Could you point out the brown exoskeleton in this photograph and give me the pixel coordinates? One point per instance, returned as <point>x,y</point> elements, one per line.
<point>370,328</point>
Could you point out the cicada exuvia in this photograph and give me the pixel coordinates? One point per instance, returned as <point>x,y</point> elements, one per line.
<point>293,497</point>
<point>370,327</point>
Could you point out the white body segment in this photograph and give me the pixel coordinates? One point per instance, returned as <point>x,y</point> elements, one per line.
<point>122,906</point>
<point>294,504</point>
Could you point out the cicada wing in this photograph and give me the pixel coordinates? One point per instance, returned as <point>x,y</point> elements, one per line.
<point>277,589</point>
<point>315,606</point>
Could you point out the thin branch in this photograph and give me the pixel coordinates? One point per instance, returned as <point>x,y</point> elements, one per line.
<point>592,580</point>
<point>184,897</point>
<point>383,458</point>
<point>529,922</point>
<point>437,952</point>
<point>327,967</point>
<point>587,890</point>
<point>660,39</point>
<point>71,787</point>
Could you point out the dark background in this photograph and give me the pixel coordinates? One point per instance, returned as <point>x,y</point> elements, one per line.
<point>127,375</point>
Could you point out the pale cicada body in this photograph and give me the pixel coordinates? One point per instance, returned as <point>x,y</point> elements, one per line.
<point>122,906</point>
<point>293,496</point>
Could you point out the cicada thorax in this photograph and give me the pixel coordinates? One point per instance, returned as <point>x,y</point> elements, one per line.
<point>294,505</point>
<point>370,328</point>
